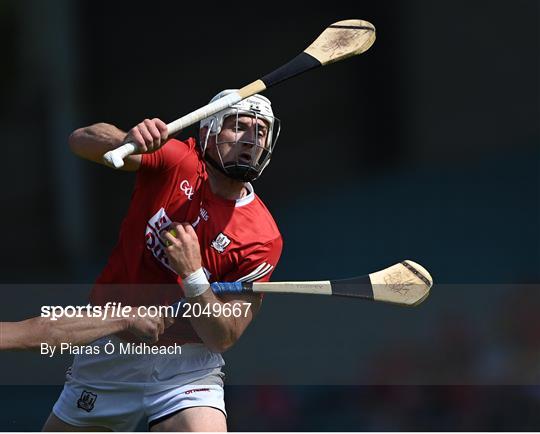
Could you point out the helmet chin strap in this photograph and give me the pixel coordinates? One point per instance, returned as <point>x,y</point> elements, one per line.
<point>238,172</point>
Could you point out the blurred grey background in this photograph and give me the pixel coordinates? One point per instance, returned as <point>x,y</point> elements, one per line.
<point>423,148</point>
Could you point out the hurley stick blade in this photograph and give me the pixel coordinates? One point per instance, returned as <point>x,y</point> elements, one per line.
<point>341,40</point>
<point>337,42</point>
<point>406,283</point>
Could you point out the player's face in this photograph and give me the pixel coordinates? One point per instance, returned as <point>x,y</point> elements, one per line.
<point>242,139</point>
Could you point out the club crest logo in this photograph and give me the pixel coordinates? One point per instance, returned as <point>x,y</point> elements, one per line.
<point>221,242</point>
<point>87,400</point>
<point>187,189</point>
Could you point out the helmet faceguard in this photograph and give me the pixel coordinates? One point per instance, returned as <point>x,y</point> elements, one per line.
<point>245,146</point>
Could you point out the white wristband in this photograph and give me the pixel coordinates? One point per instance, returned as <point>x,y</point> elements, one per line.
<point>195,284</point>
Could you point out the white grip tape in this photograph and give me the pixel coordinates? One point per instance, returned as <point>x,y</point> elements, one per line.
<point>195,284</point>
<point>203,112</point>
<point>115,158</point>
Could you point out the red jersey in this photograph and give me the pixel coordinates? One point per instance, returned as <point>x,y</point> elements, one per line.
<point>239,240</point>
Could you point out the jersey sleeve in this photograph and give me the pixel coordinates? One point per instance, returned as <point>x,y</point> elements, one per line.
<point>172,153</point>
<point>258,264</point>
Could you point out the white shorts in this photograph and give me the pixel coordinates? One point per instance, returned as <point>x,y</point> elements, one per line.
<point>116,391</point>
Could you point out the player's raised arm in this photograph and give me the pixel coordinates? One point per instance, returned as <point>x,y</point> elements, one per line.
<point>93,141</point>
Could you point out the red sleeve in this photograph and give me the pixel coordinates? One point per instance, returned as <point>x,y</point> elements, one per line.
<point>258,264</point>
<point>169,155</point>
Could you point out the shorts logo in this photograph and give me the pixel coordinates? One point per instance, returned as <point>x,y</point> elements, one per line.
<point>189,392</point>
<point>87,400</point>
<point>221,242</point>
<point>186,188</point>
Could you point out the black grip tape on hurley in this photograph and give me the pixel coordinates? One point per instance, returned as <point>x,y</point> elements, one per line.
<point>301,63</point>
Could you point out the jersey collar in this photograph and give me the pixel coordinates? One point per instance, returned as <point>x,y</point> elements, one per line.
<point>247,199</point>
<point>209,195</point>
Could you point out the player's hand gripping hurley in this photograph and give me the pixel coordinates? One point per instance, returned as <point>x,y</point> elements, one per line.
<point>339,41</point>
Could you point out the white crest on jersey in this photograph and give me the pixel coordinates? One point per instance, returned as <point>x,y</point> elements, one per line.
<point>221,242</point>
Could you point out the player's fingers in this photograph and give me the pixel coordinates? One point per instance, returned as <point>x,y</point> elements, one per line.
<point>157,327</point>
<point>169,239</point>
<point>185,228</point>
<point>145,328</point>
<point>147,136</point>
<point>181,231</point>
<point>160,325</point>
<point>151,335</point>
<point>171,229</point>
<point>136,137</point>
<point>154,132</point>
<point>162,128</point>
<point>180,227</point>
<point>168,321</point>
<point>154,336</point>
<point>190,231</point>
<point>163,231</point>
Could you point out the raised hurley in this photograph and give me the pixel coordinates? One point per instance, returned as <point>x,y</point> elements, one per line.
<point>339,41</point>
